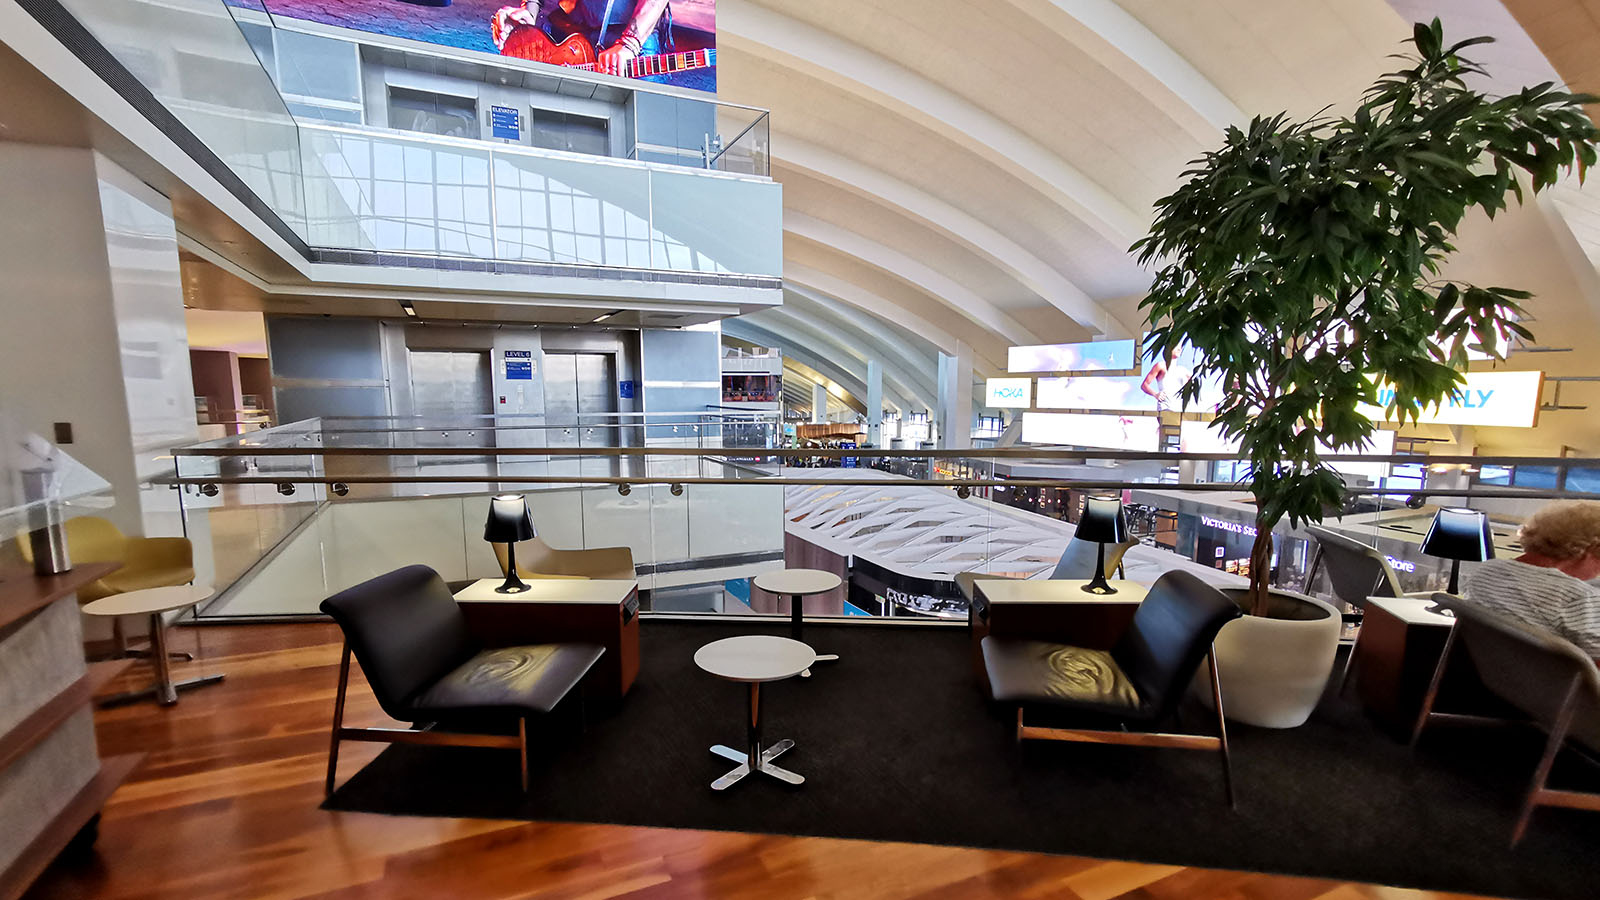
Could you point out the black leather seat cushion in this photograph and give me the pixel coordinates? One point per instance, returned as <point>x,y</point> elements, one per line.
<point>1042,673</point>
<point>525,680</point>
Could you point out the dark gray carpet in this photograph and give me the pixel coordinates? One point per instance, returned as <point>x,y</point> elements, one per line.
<point>896,744</point>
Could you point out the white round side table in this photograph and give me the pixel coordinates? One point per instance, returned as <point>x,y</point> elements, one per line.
<point>755,659</point>
<point>797,584</point>
<point>153,602</point>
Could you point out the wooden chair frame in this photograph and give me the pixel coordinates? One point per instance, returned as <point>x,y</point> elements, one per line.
<point>411,735</point>
<point>1217,742</point>
<point>1538,793</point>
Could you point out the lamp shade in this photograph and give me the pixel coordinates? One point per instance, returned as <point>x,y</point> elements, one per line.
<point>1103,521</point>
<point>1460,534</point>
<point>509,520</point>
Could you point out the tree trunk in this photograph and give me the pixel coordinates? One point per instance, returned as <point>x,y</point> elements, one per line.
<point>1261,569</point>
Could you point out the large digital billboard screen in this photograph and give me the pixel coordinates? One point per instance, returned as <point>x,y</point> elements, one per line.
<point>1157,390</point>
<point>666,41</point>
<point>1498,399</point>
<point>1082,430</point>
<point>1090,356</point>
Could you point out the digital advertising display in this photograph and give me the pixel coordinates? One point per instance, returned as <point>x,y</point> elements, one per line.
<point>1089,356</point>
<point>1154,391</point>
<point>666,41</point>
<point>1008,393</point>
<point>1494,399</point>
<point>1086,430</point>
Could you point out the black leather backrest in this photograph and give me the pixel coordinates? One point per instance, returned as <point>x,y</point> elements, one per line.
<point>1170,635</point>
<point>406,630</point>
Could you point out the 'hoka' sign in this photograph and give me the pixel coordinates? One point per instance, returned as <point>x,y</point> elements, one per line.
<point>1008,393</point>
<point>1500,399</point>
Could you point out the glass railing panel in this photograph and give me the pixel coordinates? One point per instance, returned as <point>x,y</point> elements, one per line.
<point>571,211</point>
<point>745,141</point>
<point>192,56</point>
<point>404,195</point>
<point>709,223</point>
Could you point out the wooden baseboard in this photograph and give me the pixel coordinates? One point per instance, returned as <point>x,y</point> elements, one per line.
<point>37,856</point>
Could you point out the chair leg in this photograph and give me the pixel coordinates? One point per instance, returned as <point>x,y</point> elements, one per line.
<point>1558,736</point>
<point>1349,669</point>
<point>338,720</point>
<point>1222,730</point>
<point>1433,689</point>
<point>522,750</point>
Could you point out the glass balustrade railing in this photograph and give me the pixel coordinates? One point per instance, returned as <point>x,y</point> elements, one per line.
<point>687,192</point>
<point>706,501</point>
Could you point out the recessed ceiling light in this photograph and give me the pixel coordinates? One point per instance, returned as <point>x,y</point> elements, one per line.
<point>410,310</point>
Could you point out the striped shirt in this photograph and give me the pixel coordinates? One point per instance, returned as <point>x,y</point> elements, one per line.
<point>1542,597</point>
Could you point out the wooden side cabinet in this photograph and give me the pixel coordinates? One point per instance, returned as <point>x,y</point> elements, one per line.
<point>52,781</point>
<point>1396,656</point>
<point>596,611</point>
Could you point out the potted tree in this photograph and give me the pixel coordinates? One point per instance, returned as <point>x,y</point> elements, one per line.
<point>1301,261</point>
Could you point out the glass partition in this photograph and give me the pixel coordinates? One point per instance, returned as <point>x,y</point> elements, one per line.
<point>706,500</point>
<point>282,110</point>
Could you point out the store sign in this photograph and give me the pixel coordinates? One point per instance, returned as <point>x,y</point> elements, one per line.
<point>1008,393</point>
<point>1401,565</point>
<point>1496,399</point>
<point>1224,525</point>
<point>1089,356</point>
<point>1085,430</point>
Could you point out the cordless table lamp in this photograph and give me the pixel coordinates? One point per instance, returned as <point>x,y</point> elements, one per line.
<point>509,522</point>
<point>1102,522</point>
<point>1459,534</point>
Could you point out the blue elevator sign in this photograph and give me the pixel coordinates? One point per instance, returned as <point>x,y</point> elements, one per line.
<point>505,122</point>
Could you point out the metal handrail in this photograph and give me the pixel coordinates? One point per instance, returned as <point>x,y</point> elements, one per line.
<point>786,480</point>
<point>1035,453</point>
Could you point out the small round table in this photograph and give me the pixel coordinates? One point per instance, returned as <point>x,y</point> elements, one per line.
<point>754,659</point>
<point>153,602</point>
<point>797,584</point>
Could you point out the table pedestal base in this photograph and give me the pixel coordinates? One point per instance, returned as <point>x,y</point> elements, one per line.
<point>755,759</point>
<point>764,764</point>
<point>167,694</point>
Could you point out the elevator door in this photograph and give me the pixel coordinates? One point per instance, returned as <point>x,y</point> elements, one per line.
<point>579,390</point>
<point>451,390</point>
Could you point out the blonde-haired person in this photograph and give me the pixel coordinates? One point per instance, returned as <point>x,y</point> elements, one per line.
<point>1547,586</point>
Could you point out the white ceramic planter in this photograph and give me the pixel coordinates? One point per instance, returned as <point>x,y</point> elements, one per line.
<point>1274,670</point>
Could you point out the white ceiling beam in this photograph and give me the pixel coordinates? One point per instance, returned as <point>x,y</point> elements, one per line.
<point>857,70</point>
<point>909,200</point>
<point>1116,40</point>
<point>911,271</point>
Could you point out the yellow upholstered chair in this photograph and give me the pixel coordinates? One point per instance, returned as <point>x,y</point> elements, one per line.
<point>536,559</point>
<point>146,562</point>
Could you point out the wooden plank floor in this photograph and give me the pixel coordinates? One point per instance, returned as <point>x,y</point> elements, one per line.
<point>226,807</point>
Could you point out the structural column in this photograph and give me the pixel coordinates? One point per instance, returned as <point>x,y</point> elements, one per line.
<point>955,398</point>
<point>875,403</point>
<point>819,403</point>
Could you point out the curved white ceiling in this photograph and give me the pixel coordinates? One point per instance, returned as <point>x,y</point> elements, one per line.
<point>974,173</point>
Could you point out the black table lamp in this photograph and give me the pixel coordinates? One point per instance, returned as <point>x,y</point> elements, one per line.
<point>1459,534</point>
<point>509,522</point>
<point>1102,522</point>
